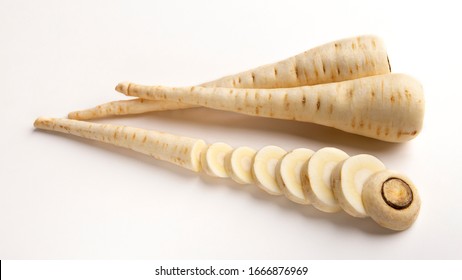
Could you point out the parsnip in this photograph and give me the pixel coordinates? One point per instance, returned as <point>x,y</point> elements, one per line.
<point>316,178</point>
<point>388,197</point>
<point>391,199</point>
<point>126,107</point>
<point>264,168</point>
<point>386,107</point>
<point>288,174</point>
<point>336,61</point>
<point>348,179</point>
<point>213,159</point>
<point>179,150</point>
<point>238,165</point>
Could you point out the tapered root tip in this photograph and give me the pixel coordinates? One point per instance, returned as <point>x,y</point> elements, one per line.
<point>122,87</point>
<point>41,122</point>
<point>74,115</point>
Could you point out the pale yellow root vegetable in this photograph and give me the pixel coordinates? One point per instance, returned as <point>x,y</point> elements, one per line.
<point>126,107</point>
<point>336,61</point>
<point>179,150</point>
<point>388,197</point>
<point>348,179</point>
<point>264,168</point>
<point>213,159</point>
<point>391,199</point>
<point>386,107</point>
<point>316,178</point>
<point>288,174</point>
<point>238,165</point>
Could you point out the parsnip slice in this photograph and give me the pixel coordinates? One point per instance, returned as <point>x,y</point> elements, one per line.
<point>288,174</point>
<point>264,168</point>
<point>316,178</point>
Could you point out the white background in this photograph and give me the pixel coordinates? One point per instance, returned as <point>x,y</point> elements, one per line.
<point>63,197</point>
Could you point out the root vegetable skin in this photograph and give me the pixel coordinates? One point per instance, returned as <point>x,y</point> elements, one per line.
<point>179,150</point>
<point>386,107</point>
<point>336,61</point>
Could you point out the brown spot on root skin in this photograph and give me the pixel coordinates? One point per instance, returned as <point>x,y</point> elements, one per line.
<point>303,100</point>
<point>323,67</point>
<point>144,139</point>
<point>253,77</point>
<point>286,102</point>
<point>239,79</point>
<point>372,93</point>
<point>257,111</point>
<point>392,99</point>
<point>379,130</point>
<point>318,104</point>
<point>275,72</point>
<point>350,93</point>
<point>397,193</point>
<point>353,122</point>
<point>361,123</point>
<point>296,72</point>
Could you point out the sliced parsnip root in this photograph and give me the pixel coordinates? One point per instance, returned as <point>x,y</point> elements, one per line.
<point>316,178</point>
<point>288,174</point>
<point>213,159</point>
<point>391,199</point>
<point>264,168</point>
<point>348,179</point>
<point>238,165</point>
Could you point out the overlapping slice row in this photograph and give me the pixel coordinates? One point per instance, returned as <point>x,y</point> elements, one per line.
<point>329,179</point>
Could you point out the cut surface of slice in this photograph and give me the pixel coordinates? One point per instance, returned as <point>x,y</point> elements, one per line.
<point>316,178</point>
<point>238,165</point>
<point>288,174</point>
<point>348,180</point>
<point>264,168</point>
<point>213,159</point>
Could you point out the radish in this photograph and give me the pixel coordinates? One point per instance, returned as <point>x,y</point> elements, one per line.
<point>336,61</point>
<point>388,198</point>
<point>385,107</point>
